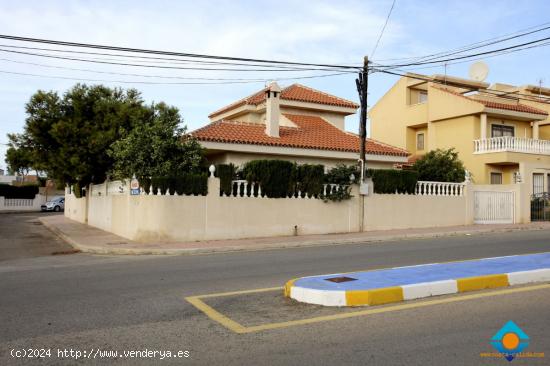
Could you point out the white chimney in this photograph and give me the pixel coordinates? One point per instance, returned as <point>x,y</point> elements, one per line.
<point>272,110</point>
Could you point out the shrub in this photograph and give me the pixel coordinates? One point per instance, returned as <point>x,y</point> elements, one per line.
<point>276,177</point>
<point>309,179</point>
<point>26,191</point>
<point>226,173</point>
<point>341,173</point>
<point>440,166</point>
<point>188,184</point>
<point>393,181</point>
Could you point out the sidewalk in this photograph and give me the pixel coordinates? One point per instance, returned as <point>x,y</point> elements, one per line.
<point>91,240</point>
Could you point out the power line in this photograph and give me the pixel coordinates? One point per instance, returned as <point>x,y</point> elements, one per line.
<point>167,83</point>
<point>164,67</point>
<point>167,53</point>
<point>383,29</point>
<point>508,95</point>
<point>149,59</point>
<point>468,56</point>
<point>474,59</point>
<point>521,32</point>
<point>160,76</point>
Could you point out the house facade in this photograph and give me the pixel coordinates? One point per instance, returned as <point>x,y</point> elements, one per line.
<point>501,132</point>
<point>295,123</point>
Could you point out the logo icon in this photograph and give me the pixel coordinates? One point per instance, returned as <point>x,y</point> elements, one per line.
<point>510,340</point>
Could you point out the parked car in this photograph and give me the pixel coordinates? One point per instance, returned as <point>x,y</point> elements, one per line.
<point>57,204</point>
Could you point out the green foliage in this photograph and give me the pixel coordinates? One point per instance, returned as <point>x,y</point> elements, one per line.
<point>188,184</point>
<point>276,177</point>
<point>393,181</point>
<point>69,136</point>
<point>340,175</point>
<point>26,191</point>
<point>309,179</point>
<point>440,166</point>
<point>226,173</point>
<point>77,190</point>
<point>157,146</point>
<point>19,156</point>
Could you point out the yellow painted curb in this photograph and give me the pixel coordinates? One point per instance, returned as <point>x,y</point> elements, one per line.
<point>288,286</point>
<point>374,297</point>
<point>482,282</point>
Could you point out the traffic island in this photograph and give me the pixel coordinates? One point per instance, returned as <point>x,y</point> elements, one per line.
<point>391,285</point>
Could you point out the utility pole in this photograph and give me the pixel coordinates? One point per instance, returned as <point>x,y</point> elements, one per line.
<point>362,83</point>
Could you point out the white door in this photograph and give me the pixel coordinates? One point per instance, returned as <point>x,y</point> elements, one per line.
<point>493,207</point>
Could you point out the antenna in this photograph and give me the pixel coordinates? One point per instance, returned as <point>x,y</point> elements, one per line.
<point>479,71</point>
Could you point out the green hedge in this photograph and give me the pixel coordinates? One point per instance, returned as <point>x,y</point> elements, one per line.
<point>276,177</point>
<point>309,179</point>
<point>26,191</point>
<point>393,181</point>
<point>188,184</point>
<point>226,173</point>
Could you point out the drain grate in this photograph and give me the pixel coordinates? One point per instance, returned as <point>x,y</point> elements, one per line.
<point>340,279</point>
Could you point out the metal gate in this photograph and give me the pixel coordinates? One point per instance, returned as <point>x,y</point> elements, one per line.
<point>493,207</point>
<point>540,207</point>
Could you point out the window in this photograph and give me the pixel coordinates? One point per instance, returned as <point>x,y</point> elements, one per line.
<point>538,183</point>
<point>502,131</point>
<point>420,141</point>
<point>422,96</point>
<point>496,178</point>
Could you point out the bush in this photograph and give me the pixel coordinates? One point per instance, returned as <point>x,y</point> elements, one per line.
<point>309,179</point>
<point>276,177</point>
<point>188,184</point>
<point>393,181</point>
<point>341,174</point>
<point>440,166</point>
<point>226,173</point>
<point>25,192</point>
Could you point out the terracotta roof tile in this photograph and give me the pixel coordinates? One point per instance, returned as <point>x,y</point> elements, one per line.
<point>294,92</point>
<point>312,132</point>
<point>496,105</point>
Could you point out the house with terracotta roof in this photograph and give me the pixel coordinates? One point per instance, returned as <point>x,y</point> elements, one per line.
<point>501,132</point>
<point>295,123</point>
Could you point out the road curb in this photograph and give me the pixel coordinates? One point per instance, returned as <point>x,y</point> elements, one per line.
<point>321,242</point>
<point>415,291</point>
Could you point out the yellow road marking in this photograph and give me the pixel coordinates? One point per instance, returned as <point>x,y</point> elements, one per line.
<point>238,328</point>
<point>216,315</point>
<point>238,292</point>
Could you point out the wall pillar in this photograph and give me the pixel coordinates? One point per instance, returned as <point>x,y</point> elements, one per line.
<point>536,130</point>
<point>483,126</point>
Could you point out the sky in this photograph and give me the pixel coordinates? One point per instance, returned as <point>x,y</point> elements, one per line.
<point>313,31</point>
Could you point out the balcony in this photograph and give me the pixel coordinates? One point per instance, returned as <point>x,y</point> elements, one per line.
<point>512,144</point>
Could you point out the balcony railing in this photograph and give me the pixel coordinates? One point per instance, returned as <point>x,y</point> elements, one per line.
<point>512,144</point>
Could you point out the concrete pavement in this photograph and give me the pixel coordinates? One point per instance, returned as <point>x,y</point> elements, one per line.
<point>85,302</point>
<point>92,240</point>
<point>23,236</point>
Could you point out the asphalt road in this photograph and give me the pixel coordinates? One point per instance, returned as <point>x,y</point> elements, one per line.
<point>85,303</point>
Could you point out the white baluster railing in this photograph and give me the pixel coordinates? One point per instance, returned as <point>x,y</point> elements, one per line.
<point>512,144</point>
<point>426,188</point>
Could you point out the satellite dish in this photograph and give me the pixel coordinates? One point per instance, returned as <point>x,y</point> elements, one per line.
<point>479,71</point>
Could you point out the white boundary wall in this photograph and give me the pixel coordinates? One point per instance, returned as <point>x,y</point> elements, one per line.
<point>21,204</point>
<point>211,217</point>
